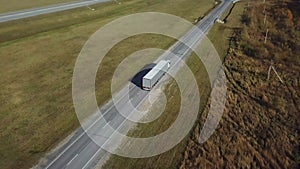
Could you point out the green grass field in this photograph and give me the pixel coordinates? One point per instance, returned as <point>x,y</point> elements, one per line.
<point>37,61</point>
<point>15,5</point>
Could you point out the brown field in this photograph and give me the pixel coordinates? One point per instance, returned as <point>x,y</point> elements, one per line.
<point>260,125</point>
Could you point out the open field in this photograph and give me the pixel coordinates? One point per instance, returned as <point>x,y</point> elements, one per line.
<point>104,13</point>
<point>260,124</point>
<point>15,5</point>
<point>37,60</point>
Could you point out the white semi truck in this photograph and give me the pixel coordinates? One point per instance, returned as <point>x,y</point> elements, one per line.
<point>152,77</point>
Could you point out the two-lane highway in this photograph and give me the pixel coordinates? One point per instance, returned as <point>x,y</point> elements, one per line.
<point>45,10</point>
<point>81,152</point>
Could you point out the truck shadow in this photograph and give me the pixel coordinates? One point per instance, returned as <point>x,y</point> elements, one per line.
<point>138,78</point>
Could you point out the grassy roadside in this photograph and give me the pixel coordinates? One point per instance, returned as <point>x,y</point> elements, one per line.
<point>37,59</point>
<point>219,35</point>
<point>15,5</point>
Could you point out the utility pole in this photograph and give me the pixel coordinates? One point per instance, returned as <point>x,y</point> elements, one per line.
<point>266,37</point>
<point>272,68</point>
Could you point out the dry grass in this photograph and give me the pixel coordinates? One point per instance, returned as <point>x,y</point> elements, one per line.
<point>260,125</point>
<point>37,60</point>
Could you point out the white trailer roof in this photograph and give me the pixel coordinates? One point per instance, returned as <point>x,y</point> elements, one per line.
<point>155,69</point>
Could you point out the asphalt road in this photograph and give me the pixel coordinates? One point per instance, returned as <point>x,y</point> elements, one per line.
<point>80,151</point>
<point>45,10</point>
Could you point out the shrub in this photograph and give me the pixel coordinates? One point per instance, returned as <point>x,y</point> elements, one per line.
<point>249,50</point>
<point>245,19</point>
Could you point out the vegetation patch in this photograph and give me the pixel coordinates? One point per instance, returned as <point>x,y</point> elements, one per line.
<point>260,125</point>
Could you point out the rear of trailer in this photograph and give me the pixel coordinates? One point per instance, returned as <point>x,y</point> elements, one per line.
<point>152,77</point>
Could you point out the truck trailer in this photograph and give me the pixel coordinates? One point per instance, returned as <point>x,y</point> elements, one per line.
<point>152,77</point>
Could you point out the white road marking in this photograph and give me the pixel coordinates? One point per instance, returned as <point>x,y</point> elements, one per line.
<point>106,124</point>
<point>72,160</point>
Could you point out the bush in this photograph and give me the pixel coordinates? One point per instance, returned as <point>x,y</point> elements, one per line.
<point>249,50</point>
<point>245,19</point>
